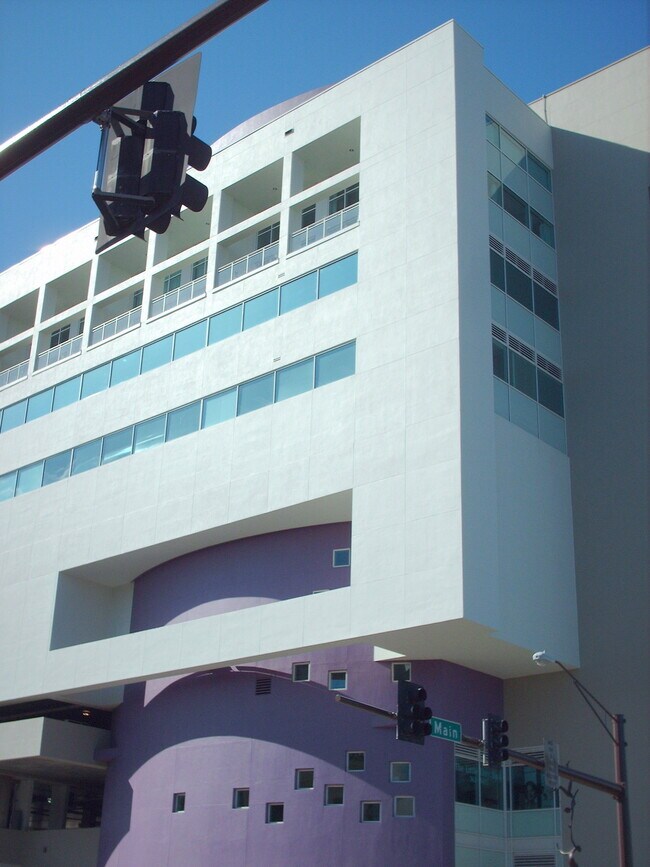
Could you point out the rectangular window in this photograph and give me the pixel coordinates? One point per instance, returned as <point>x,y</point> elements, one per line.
<point>337,275</point>
<point>522,374</point>
<point>344,198</point>
<point>542,228</point>
<point>240,799</point>
<point>550,392</point>
<point>60,335</point>
<point>400,772</point>
<point>546,306</point>
<point>298,292</point>
<point>539,171</point>
<point>86,457</point>
<point>137,299</point>
<point>225,324</point>
<point>466,781</point>
<point>172,281</point>
<point>519,286</point>
<point>513,150</point>
<point>149,433</point>
<point>40,404</point>
<point>338,680</point>
<point>295,379</point>
<point>371,811</point>
<point>57,467</point>
<point>29,478</point>
<point>333,796</point>
<point>219,407</point>
<point>157,354</point>
<point>499,360</point>
<point>95,380</point>
<point>274,814</point>
<point>14,415</point>
<point>335,364</point>
<point>497,271</point>
<point>529,791</point>
<point>200,268</point>
<point>7,485</point>
<point>126,367</point>
<point>404,807</point>
<point>268,236</point>
<point>491,130</point>
<point>494,189</point>
<point>304,778</point>
<point>261,309</point>
<point>117,445</point>
<point>183,421</point>
<point>300,671</point>
<point>401,671</point>
<point>515,206</point>
<point>190,339</point>
<point>340,557</point>
<point>178,802</point>
<point>492,788</point>
<point>255,394</point>
<point>355,761</point>
<point>308,216</point>
<point>66,393</point>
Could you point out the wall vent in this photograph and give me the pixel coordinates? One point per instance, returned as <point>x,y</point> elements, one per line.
<point>539,859</point>
<point>521,348</point>
<point>544,281</point>
<point>499,333</point>
<point>263,686</point>
<point>511,256</point>
<point>549,367</point>
<point>496,245</point>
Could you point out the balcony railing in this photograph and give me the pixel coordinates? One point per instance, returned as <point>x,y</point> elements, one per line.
<point>114,326</point>
<point>324,228</point>
<point>254,260</point>
<point>13,374</point>
<point>58,353</point>
<point>169,300</point>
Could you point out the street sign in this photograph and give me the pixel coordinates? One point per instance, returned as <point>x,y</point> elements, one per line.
<point>446,729</point>
<point>551,762</point>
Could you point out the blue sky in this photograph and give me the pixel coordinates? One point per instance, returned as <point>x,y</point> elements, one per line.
<point>52,49</point>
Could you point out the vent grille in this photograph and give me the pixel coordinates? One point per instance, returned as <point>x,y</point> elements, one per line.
<point>521,348</point>
<point>466,752</point>
<point>539,859</point>
<point>263,686</point>
<point>499,333</point>
<point>496,245</point>
<point>511,256</point>
<point>549,367</point>
<point>544,281</point>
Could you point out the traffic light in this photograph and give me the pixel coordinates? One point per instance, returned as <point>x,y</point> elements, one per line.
<point>147,144</point>
<point>412,715</point>
<point>495,741</point>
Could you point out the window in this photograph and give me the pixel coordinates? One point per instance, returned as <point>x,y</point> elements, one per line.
<point>494,189</point>
<point>404,807</point>
<point>137,299</point>
<point>529,790</point>
<point>125,367</point>
<point>95,380</point>
<point>300,671</point>
<point>190,339</point>
<point>295,379</point>
<point>219,407</point>
<point>178,802</point>
<point>401,670</point>
<point>274,814</point>
<point>340,557</point>
<point>400,772</point>
<point>355,761</point>
<point>499,360</point>
<point>308,216</point>
<point>337,275</point>
<point>240,799</point>
<point>497,271</point>
<point>338,680</point>
<point>546,306</point>
<point>371,811</point>
<point>57,467</point>
<point>333,796</point>
<point>7,485</point>
<point>156,354</point>
<point>550,392</point>
<point>515,206</point>
<point>298,292</point>
<point>466,781</point>
<point>149,433</point>
<point>39,404</point>
<point>183,421</point>
<point>172,281</point>
<point>86,457</point>
<point>539,172</point>
<point>491,130</point>
<point>225,324</point>
<point>255,394</point>
<point>65,393</point>
<point>29,478</point>
<point>542,228</point>
<point>14,415</point>
<point>519,286</point>
<point>268,236</point>
<point>200,268</point>
<point>344,198</point>
<point>522,374</point>
<point>304,778</point>
<point>59,335</point>
<point>260,309</point>
<point>117,445</point>
<point>335,364</point>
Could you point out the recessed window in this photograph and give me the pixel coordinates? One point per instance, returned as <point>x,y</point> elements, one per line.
<point>268,236</point>
<point>404,807</point>
<point>355,761</point>
<point>340,557</point>
<point>400,772</point>
<point>333,796</point>
<point>499,360</point>
<point>371,811</point>
<point>338,680</point>
<point>240,799</point>
<point>178,802</point>
<point>542,228</point>
<point>274,814</point>
<point>172,281</point>
<point>308,216</point>
<point>344,198</point>
<point>401,670</point>
<point>59,335</point>
<point>515,206</point>
<point>200,268</point>
<point>300,671</point>
<point>304,778</point>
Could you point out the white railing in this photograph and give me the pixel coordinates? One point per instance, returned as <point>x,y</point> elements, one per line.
<point>324,228</point>
<point>169,300</point>
<point>114,326</point>
<point>13,374</point>
<point>58,353</point>
<point>254,260</point>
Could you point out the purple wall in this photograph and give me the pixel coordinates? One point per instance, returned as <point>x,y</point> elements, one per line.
<point>206,734</point>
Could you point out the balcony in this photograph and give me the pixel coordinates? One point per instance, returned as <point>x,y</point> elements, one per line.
<point>245,264</point>
<point>324,228</point>
<point>59,353</point>
<point>13,374</point>
<point>115,325</point>
<point>169,300</point>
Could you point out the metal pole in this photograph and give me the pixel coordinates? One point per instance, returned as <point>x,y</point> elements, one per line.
<point>623,805</point>
<point>616,790</point>
<point>369,707</point>
<point>108,91</point>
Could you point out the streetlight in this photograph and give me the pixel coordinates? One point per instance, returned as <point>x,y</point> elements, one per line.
<point>616,735</point>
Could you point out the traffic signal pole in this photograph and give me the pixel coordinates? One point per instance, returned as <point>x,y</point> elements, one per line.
<point>110,89</point>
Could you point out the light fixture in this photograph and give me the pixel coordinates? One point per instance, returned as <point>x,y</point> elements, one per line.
<point>542,658</point>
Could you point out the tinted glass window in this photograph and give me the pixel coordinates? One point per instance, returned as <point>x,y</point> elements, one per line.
<point>335,364</point>
<point>156,354</point>
<point>255,394</point>
<point>66,393</point>
<point>149,433</point>
<point>515,206</point>
<point>491,131</point>
<point>298,292</point>
<point>542,228</point>
<point>125,367</point>
<point>95,380</point>
<point>190,339</point>
<point>550,392</point>
<point>494,189</point>
<point>40,404</point>
<point>538,170</point>
<point>86,457</point>
<point>225,324</point>
<point>183,421</point>
<point>497,270</point>
<point>519,286</point>
<point>546,306</point>
<point>337,276</point>
<point>294,380</point>
<point>117,445</point>
<point>219,407</point>
<point>500,360</point>
<point>14,415</point>
<point>260,309</point>
<point>7,485</point>
<point>29,478</point>
<point>522,375</point>
<point>57,467</point>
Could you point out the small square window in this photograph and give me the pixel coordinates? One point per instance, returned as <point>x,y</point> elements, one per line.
<point>401,671</point>
<point>338,680</point>
<point>333,796</point>
<point>274,814</point>
<point>304,778</point>
<point>240,799</point>
<point>371,811</point>
<point>178,802</point>
<point>340,557</point>
<point>355,761</point>
<point>400,772</point>
<point>300,671</point>
<point>404,807</point>
<point>308,216</point>
<point>172,281</point>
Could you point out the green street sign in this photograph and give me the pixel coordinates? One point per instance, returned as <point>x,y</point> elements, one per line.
<point>446,729</point>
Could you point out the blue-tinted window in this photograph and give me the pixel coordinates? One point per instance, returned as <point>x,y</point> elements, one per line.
<point>117,445</point>
<point>337,276</point>
<point>538,170</point>
<point>497,271</point>
<point>86,457</point>
<point>298,292</point>
<point>57,467</point>
<point>126,367</point>
<point>335,364</point>
<point>14,415</point>
<point>515,206</point>
<point>260,309</point>
<point>546,306</point>
<point>219,407</point>
<point>7,485</point>
<point>542,228</point>
<point>95,380</point>
<point>519,286</point>
<point>190,339</point>
<point>491,130</point>
<point>225,324</point>
<point>338,680</point>
<point>255,394</point>
<point>499,360</point>
<point>40,404</point>
<point>149,433</point>
<point>66,393</point>
<point>183,421</point>
<point>522,375</point>
<point>340,557</point>
<point>295,379</point>
<point>494,189</point>
<point>550,392</point>
<point>29,478</point>
<point>157,354</point>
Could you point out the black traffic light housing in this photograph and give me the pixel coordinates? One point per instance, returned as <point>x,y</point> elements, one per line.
<point>495,741</point>
<point>412,715</point>
<point>147,144</point>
